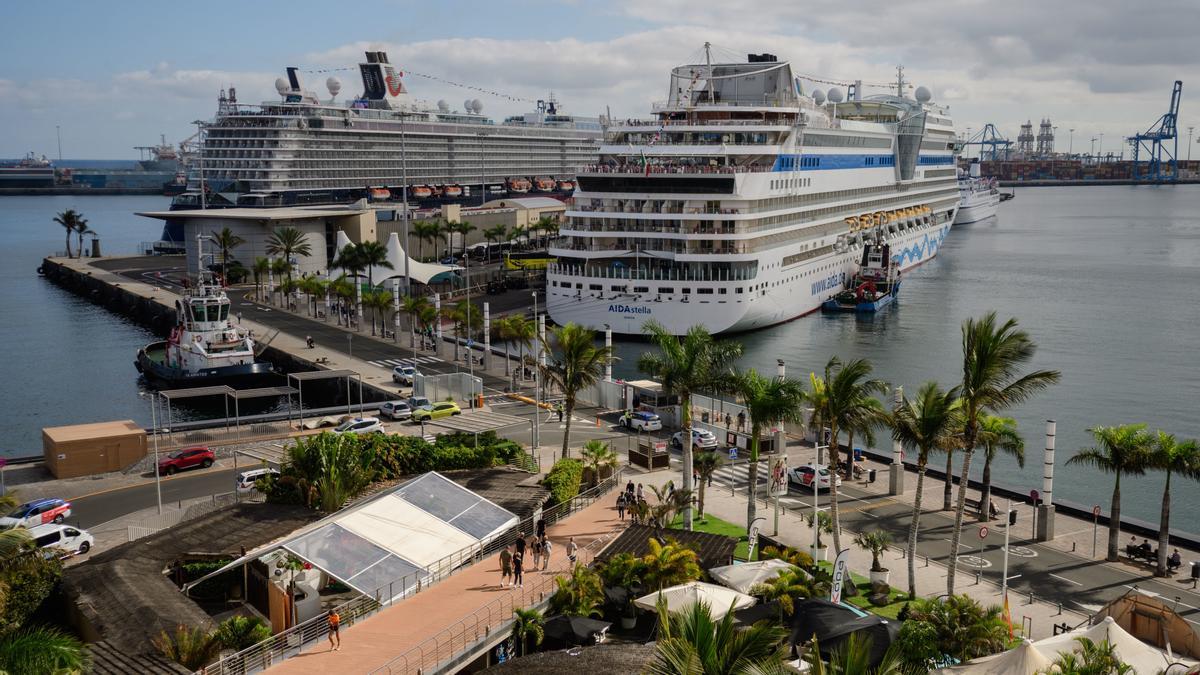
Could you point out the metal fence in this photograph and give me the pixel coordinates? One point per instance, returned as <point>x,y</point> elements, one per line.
<point>461,387</point>
<point>296,639</point>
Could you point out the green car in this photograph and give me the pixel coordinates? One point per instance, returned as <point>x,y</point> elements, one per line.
<point>436,411</point>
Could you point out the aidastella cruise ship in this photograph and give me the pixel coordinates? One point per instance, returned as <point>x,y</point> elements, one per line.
<point>747,201</point>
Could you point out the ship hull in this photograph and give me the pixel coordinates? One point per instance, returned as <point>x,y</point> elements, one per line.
<point>977,209</point>
<point>151,364</point>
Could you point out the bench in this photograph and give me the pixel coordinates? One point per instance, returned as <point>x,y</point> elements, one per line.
<point>1138,553</point>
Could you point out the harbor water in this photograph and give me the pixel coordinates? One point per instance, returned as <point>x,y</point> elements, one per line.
<point>1097,275</point>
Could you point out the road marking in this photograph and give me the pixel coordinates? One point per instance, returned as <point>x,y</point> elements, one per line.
<point>960,544</point>
<point>1065,579</point>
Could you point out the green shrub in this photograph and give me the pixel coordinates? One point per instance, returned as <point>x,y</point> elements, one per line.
<point>563,480</point>
<point>25,583</point>
<point>455,457</point>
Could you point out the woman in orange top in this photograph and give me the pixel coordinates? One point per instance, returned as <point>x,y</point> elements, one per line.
<point>335,640</point>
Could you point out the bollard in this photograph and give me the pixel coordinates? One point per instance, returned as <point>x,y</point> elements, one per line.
<point>927,561</point>
<point>1072,547</point>
<point>1060,609</point>
<point>1031,597</point>
<point>978,575</point>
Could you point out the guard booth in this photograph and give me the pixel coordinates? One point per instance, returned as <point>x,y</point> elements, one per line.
<point>771,441</point>
<point>650,454</point>
<point>648,396</point>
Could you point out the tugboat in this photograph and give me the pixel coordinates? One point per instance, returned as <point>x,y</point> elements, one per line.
<point>874,287</point>
<point>205,348</point>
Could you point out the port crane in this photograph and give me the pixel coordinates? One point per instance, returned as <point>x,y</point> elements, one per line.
<point>1154,143</point>
<point>989,137</point>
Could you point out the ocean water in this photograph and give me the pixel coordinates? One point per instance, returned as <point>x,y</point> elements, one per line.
<point>1101,277</point>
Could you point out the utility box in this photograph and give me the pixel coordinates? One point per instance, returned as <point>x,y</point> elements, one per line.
<point>88,449</point>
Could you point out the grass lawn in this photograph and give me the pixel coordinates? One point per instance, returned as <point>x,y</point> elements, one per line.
<point>714,525</point>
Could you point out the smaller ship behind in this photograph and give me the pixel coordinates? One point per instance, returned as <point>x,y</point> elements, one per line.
<point>204,348</point>
<point>876,284</point>
<point>977,197</point>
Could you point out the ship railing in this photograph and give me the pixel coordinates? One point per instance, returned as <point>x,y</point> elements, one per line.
<point>657,169</point>
<point>655,274</point>
<point>761,102</point>
<point>654,124</point>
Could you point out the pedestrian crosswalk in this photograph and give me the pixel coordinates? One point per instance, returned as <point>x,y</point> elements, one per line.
<point>388,363</point>
<point>737,475</point>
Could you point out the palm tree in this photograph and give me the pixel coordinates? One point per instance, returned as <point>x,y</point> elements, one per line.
<point>705,464</point>
<point>767,401</point>
<point>669,564</point>
<point>691,642</point>
<point>426,231</point>
<point>579,594</point>
<point>992,357</point>
<point>668,502</point>
<point>996,434</point>
<point>262,266</point>
<point>597,456</point>
<point>516,233</point>
<point>1171,456</point>
<point>412,305</point>
<point>823,523</point>
<point>279,268</point>
<point>845,397</point>
<point>959,626</point>
<point>527,623</point>
<point>929,423</point>
<point>461,229</point>
<point>854,656</point>
<point>14,541</point>
<point>313,287</point>
<point>373,254</point>
<point>494,235</point>
<point>785,588</point>
<point>380,304</point>
<point>286,242</point>
<point>192,648</point>
<point>1120,450</point>
<point>68,219</point>
<point>42,649</point>
<point>1092,659</point>
<point>343,289</point>
<point>349,260</point>
<point>81,230</point>
<point>242,632</point>
<point>876,542</point>
<point>575,363</point>
<point>686,365</point>
<point>521,330</point>
<point>226,241</point>
<point>467,319</point>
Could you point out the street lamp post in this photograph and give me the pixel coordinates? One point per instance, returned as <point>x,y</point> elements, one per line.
<point>1071,143</point>
<point>1189,157</point>
<point>816,513</point>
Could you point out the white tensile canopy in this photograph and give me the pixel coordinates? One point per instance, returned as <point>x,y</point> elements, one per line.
<point>1143,657</point>
<point>424,273</point>
<point>746,576</point>
<point>720,600</point>
<point>1024,659</point>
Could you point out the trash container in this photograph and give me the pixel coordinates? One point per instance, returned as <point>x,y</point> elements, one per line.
<point>1196,569</point>
<point>871,475</point>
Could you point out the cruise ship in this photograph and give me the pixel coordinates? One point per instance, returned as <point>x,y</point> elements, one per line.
<point>302,149</point>
<point>746,202</point>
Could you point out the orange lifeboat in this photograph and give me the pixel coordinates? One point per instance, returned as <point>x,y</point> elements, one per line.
<point>380,194</point>
<point>566,185</point>
<point>422,192</point>
<point>453,191</point>
<point>545,184</point>
<point>518,185</point>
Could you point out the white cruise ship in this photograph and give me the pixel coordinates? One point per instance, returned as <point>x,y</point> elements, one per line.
<point>746,202</point>
<point>978,198</point>
<point>303,149</point>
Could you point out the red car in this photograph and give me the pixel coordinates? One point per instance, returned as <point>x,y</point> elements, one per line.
<point>186,458</point>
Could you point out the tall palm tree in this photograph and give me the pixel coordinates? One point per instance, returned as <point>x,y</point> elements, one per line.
<point>993,355</point>
<point>494,235</point>
<point>286,242</point>
<point>517,233</point>
<point>412,305</point>
<point>1121,450</point>
<point>226,241</point>
<point>928,423</point>
<point>380,304</point>
<point>82,230</point>
<point>996,434</point>
<point>948,488</point>
<point>521,330</point>
<point>466,317</point>
<point>42,649</point>
<point>705,464</point>
<point>847,390</point>
<point>373,254</point>
<point>768,401</point>
<point>1172,456</point>
<point>313,287</point>
<point>447,232</point>
<point>426,231</point>
<point>527,624</point>
<point>688,364</point>
<point>691,642</point>
<point>462,230</point>
<point>351,259</point>
<point>343,289</point>
<point>574,363</point>
<point>68,219</point>
<point>282,271</point>
<point>598,456</point>
<point>261,267</point>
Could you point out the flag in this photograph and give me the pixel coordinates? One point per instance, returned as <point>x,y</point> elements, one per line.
<point>1008,616</point>
<point>839,576</point>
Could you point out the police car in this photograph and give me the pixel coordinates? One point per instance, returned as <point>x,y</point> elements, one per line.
<point>37,512</point>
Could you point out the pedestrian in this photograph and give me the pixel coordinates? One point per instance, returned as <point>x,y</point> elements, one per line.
<point>572,552</point>
<point>621,506</point>
<point>558,408</point>
<point>742,420</point>
<point>333,620</point>
<point>518,563</point>
<point>547,547</point>
<point>506,557</point>
<point>629,488</point>
<point>728,421</point>
<point>520,543</point>
<point>239,317</point>
<point>536,545</point>
<point>641,493</point>
<point>541,528</point>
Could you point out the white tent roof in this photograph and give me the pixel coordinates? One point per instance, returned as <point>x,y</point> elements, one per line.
<point>746,576</point>
<point>1143,657</point>
<point>1024,659</point>
<point>421,272</point>
<point>720,600</point>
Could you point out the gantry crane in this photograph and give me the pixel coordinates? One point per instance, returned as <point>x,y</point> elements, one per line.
<point>1154,141</point>
<point>990,138</point>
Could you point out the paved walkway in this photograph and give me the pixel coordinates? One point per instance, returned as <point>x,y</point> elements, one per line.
<point>432,622</point>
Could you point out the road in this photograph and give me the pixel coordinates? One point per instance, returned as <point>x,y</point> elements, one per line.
<point>101,507</point>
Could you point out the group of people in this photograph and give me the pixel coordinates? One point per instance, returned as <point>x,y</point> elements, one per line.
<point>1146,550</point>
<point>538,547</point>
<point>626,500</point>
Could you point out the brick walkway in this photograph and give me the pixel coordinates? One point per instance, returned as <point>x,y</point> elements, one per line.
<point>440,610</point>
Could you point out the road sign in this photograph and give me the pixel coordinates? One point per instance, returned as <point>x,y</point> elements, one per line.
<point>1095,509</point>
<point>983,532</point>
<point>1033,494</point>
<point>660,446</point>
<point>733,452</point>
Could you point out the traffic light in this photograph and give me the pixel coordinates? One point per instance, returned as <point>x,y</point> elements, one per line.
<point>1012,517</point>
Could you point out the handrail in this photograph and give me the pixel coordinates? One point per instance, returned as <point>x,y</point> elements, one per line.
<point>293,641</point>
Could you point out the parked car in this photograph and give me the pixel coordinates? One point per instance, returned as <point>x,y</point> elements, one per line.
<point>415,402</point>
<point>37,512</point>
<point>245,480</point>
<point>64,537</point>
<point>397,410</point>
<point>404,374</point>
<point>187,458</point>
<point>436,411</point>
<point>641,421</point>
<point>701,438</point>
<point>360,426</point>
<point>449,260</point>
<point>804,475</point>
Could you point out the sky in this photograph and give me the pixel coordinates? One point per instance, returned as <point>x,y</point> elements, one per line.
<point>115,75</point>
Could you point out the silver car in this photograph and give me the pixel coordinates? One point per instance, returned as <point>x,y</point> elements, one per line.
<point>396,410</point>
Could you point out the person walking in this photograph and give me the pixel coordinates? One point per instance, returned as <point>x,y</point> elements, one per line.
<point>506,557</point>
<point>547,547</point>
<point>333,621</point>
<point>621,506</point>
<point>518,563</point>
<point>536,545</point>
<point>741,420</point>
<point>641,492</point>
<point>572,552</point>
<point>728,421</point>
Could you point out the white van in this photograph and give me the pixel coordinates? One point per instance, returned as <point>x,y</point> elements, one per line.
<point>65,537</point>
<point>245,479</point>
